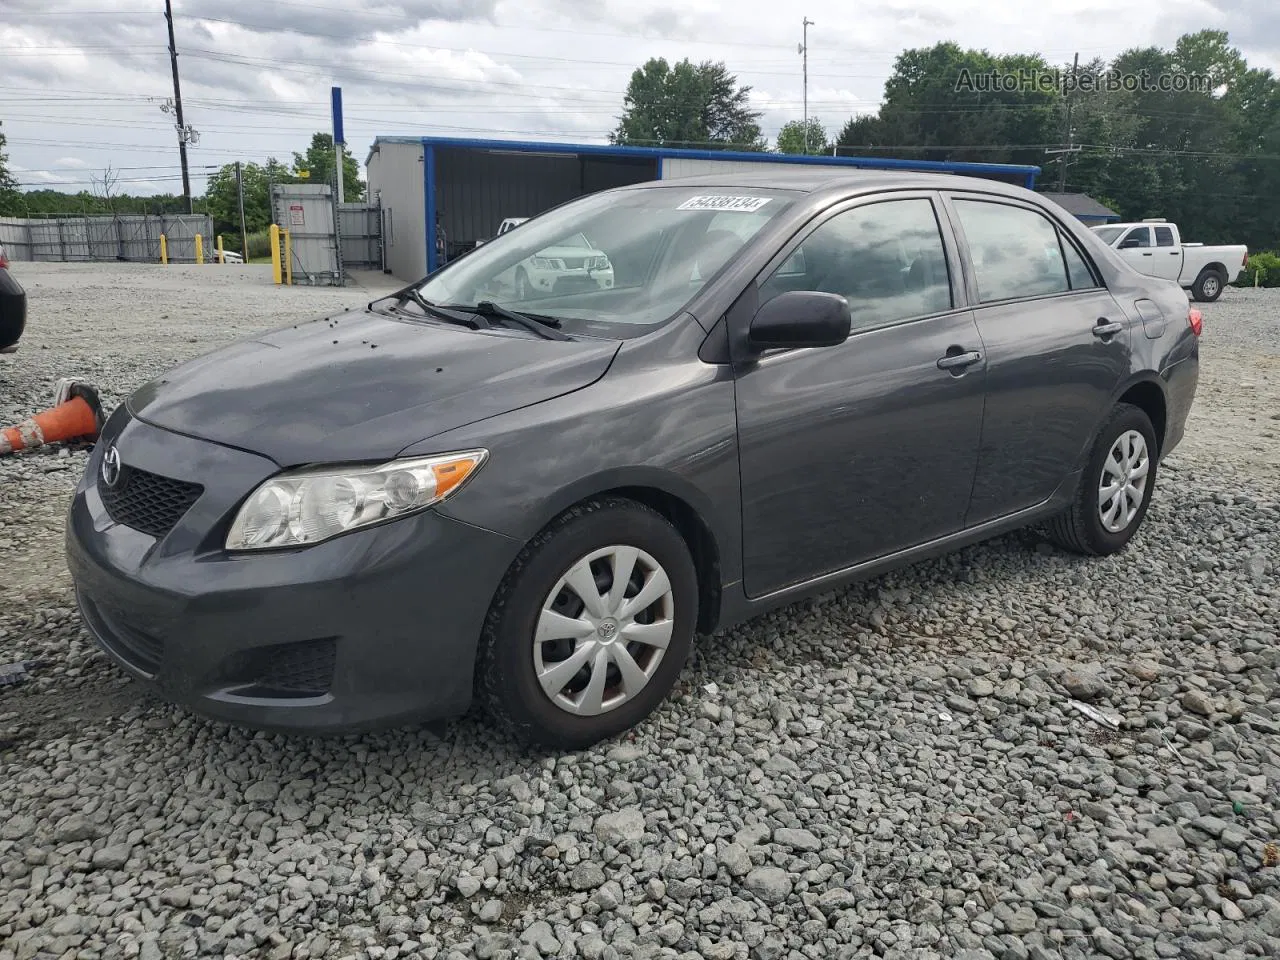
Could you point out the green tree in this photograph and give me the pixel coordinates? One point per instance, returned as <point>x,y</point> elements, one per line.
<point>223,202</point>
<point>691,105</point>
<point>791,138</point>
<point>936,108</point>
<point>318,163</point>
<point>9,197</point>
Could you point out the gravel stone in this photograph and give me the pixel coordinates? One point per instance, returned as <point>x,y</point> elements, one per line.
<point>891,769</point>
<point>803,840</point>
<point>771,884</point>
<point>76,828</point>
<point>619,827</point>
<point>111,858</point>
<point>1084,685</point>
<point>1197,701</point>
<point>587,876</point>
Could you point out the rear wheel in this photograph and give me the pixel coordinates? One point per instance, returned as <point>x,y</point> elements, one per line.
<point>1208,286</point>
<point>591,627</point>
<point>1116,487</point>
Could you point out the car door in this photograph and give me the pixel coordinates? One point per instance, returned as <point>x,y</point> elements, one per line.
<point>1167,255</point>
<point>1135,247</point>
<point>1057,347</point>
<point>857,451</point>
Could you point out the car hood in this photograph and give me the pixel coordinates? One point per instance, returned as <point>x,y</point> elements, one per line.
<point>361,386</point>
<point>569,252</point>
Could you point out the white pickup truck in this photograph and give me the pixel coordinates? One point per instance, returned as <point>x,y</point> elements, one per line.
<point>1154,247</point>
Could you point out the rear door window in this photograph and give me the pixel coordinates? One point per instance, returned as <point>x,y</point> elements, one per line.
<point>1015,251</point>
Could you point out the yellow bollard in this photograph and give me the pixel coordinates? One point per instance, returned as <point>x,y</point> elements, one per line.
<point>164,249</point>
<point>274,232</point>
<point>288,258</point>
<point>199,249</point>
<point>221,257</point>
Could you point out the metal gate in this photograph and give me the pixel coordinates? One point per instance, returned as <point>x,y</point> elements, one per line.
<point>306,210</point>
<point>134,237</point>
<point>360,226</point>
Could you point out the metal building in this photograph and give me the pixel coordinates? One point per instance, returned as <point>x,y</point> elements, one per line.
<point>470,186</point>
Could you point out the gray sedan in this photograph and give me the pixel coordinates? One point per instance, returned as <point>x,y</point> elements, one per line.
<point>794,381</point>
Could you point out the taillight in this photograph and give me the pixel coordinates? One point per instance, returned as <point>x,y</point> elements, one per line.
<point>1244,261</point>
<point>4,261</point>
<point>1195,320</point>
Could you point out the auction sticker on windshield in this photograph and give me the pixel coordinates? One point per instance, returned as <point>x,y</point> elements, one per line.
<point>738,204</point>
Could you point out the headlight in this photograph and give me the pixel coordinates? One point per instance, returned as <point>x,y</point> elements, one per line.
<point>545,263</point>
<point>303,507</point>
<point>600,263</point>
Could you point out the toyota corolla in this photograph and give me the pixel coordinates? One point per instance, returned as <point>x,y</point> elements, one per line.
<point>794,381</point>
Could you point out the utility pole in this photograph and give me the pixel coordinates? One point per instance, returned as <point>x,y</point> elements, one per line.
<point>244,234</point>
<point>1071,96</point>
<point>177,105</point>
<point>339,141</point>
<point>804,49</point>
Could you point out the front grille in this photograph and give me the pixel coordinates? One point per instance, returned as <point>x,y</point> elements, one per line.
<point>299,669</point>
<point>573,263</point>
<point>138,649</point>
<point>147,501</point>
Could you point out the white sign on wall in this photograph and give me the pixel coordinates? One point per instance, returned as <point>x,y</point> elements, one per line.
<point>296,217</point>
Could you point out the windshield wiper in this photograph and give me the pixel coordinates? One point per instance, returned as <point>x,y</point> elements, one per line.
<point>538,323</point>
<point>443,313</point>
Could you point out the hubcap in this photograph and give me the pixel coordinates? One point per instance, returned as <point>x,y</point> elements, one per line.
<point>1211,286</point>
<point>1123,481</point>
<point>603,630</point>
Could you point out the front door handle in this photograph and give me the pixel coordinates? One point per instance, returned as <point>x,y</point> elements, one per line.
<point>1147,254</point>
<point>958,360</point>
<point>1106,328</point>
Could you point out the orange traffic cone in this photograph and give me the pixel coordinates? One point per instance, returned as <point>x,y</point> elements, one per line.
<point>77,417</point>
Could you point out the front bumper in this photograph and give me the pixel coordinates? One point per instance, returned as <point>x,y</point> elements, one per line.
<point>373,629</point>
<point>13,311</point>
<point>570,281</point>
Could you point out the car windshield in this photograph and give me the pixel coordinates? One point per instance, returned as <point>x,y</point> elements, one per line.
<point>1108,234</point>
<point>643,255</point>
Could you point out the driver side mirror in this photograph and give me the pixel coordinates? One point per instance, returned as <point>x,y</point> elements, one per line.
<point>1129,243</point>
<point>801,318</point>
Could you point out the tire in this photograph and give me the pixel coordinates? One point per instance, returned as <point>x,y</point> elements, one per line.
<point>1208,286</point>
<point>1081,527</point>
<point>509,659</point>
<point>524,290</point>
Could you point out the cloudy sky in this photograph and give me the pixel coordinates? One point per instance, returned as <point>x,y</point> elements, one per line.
<point>83,83</point>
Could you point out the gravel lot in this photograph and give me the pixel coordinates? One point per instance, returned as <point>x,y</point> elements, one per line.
<point>891,770</point>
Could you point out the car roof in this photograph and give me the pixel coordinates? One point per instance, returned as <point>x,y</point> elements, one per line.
<point>806,178</point>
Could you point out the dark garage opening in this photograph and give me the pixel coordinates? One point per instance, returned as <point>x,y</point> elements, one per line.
<point>476,189</point>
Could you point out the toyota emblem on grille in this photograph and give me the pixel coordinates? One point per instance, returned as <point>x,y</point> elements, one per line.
<point>111,467</point>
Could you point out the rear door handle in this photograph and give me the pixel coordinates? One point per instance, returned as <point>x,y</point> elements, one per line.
<point>954,361</point>
<point>1106,328</point>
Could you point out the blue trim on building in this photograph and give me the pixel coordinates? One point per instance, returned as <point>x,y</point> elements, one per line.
<point>659,153</point>
<point>881,163</point>
<point>429,202</point>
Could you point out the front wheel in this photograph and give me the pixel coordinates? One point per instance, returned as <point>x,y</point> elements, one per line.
<point>1208,286</point>
<point>591,626</point>
<point>1116,487</point>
